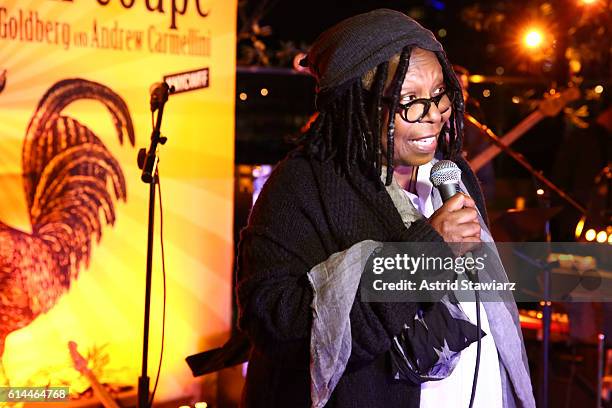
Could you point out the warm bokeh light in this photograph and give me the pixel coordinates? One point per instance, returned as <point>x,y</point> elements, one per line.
<point>575,66</point>
<point>540,191</point>
<point>579,227</point>
<point>590,235</point>
<point>243,96</point>
<point>588,2</point>
<point>602,236</point>
<point>297,62</point>
<point>476,79</point>
<point>533,38</point>
<point>599,89</point>
<point>264,92</point>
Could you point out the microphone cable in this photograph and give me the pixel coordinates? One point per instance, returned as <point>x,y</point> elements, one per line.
<point>473,277</point>
<point>163,332</point>
<point>163,259</point>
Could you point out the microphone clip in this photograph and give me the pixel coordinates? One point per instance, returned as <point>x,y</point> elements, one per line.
<point>159,95</point>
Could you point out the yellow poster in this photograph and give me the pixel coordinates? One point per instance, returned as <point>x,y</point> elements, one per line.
<point>75,79</point>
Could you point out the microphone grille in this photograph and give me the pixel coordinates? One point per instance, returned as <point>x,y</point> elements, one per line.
<point>444,171</point>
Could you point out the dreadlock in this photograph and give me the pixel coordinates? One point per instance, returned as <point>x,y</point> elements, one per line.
<point>396,88</point>
<point>350,122</point>
<point>452,149</point>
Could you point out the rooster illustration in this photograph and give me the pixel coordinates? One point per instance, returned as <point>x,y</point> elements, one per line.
<point>67,174</point>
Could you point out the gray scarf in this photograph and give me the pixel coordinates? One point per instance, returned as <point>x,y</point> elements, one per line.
<point>334,291</point>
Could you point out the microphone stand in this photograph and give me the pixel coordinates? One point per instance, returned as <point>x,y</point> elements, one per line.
<point>147,162</point>
<point>493,138</point>
<point>546,312</point>
<point>546,307</point>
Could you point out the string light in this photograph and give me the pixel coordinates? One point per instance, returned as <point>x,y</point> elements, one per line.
<point>243,96</point>
<point>602,236</point>
<point>575,65</point>
<point>579,227</point>
<point>264,92</point>
<point>476,79</point>
<point>599,89</point>
<point>590,235</point>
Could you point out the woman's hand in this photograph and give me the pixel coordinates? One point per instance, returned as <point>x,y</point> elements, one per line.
<point>457,222</point>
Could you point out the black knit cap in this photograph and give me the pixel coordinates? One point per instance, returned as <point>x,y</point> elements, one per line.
<point>354,46</point>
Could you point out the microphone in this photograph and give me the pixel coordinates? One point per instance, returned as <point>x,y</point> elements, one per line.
<point>159,94</point>
<point>445,176</point>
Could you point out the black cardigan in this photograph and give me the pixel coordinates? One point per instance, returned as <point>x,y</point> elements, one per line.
<point>305,213</point>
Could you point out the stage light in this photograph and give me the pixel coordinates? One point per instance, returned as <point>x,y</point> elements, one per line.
<point>533,38</point>
<point>264,92</point>
<point>590,235</point>
<point>243,96</point>
<point>602,236</point>
<point>599,89</point>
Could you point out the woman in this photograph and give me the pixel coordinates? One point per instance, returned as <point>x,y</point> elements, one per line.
<point>388,102</point>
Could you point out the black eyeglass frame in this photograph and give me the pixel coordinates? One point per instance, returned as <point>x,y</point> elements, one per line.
<point>403,107</point>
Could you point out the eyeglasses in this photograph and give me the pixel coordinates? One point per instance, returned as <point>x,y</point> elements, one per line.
<point>415,110</point>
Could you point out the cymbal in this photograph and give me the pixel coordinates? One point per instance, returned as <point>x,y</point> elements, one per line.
<point>521,225</point>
